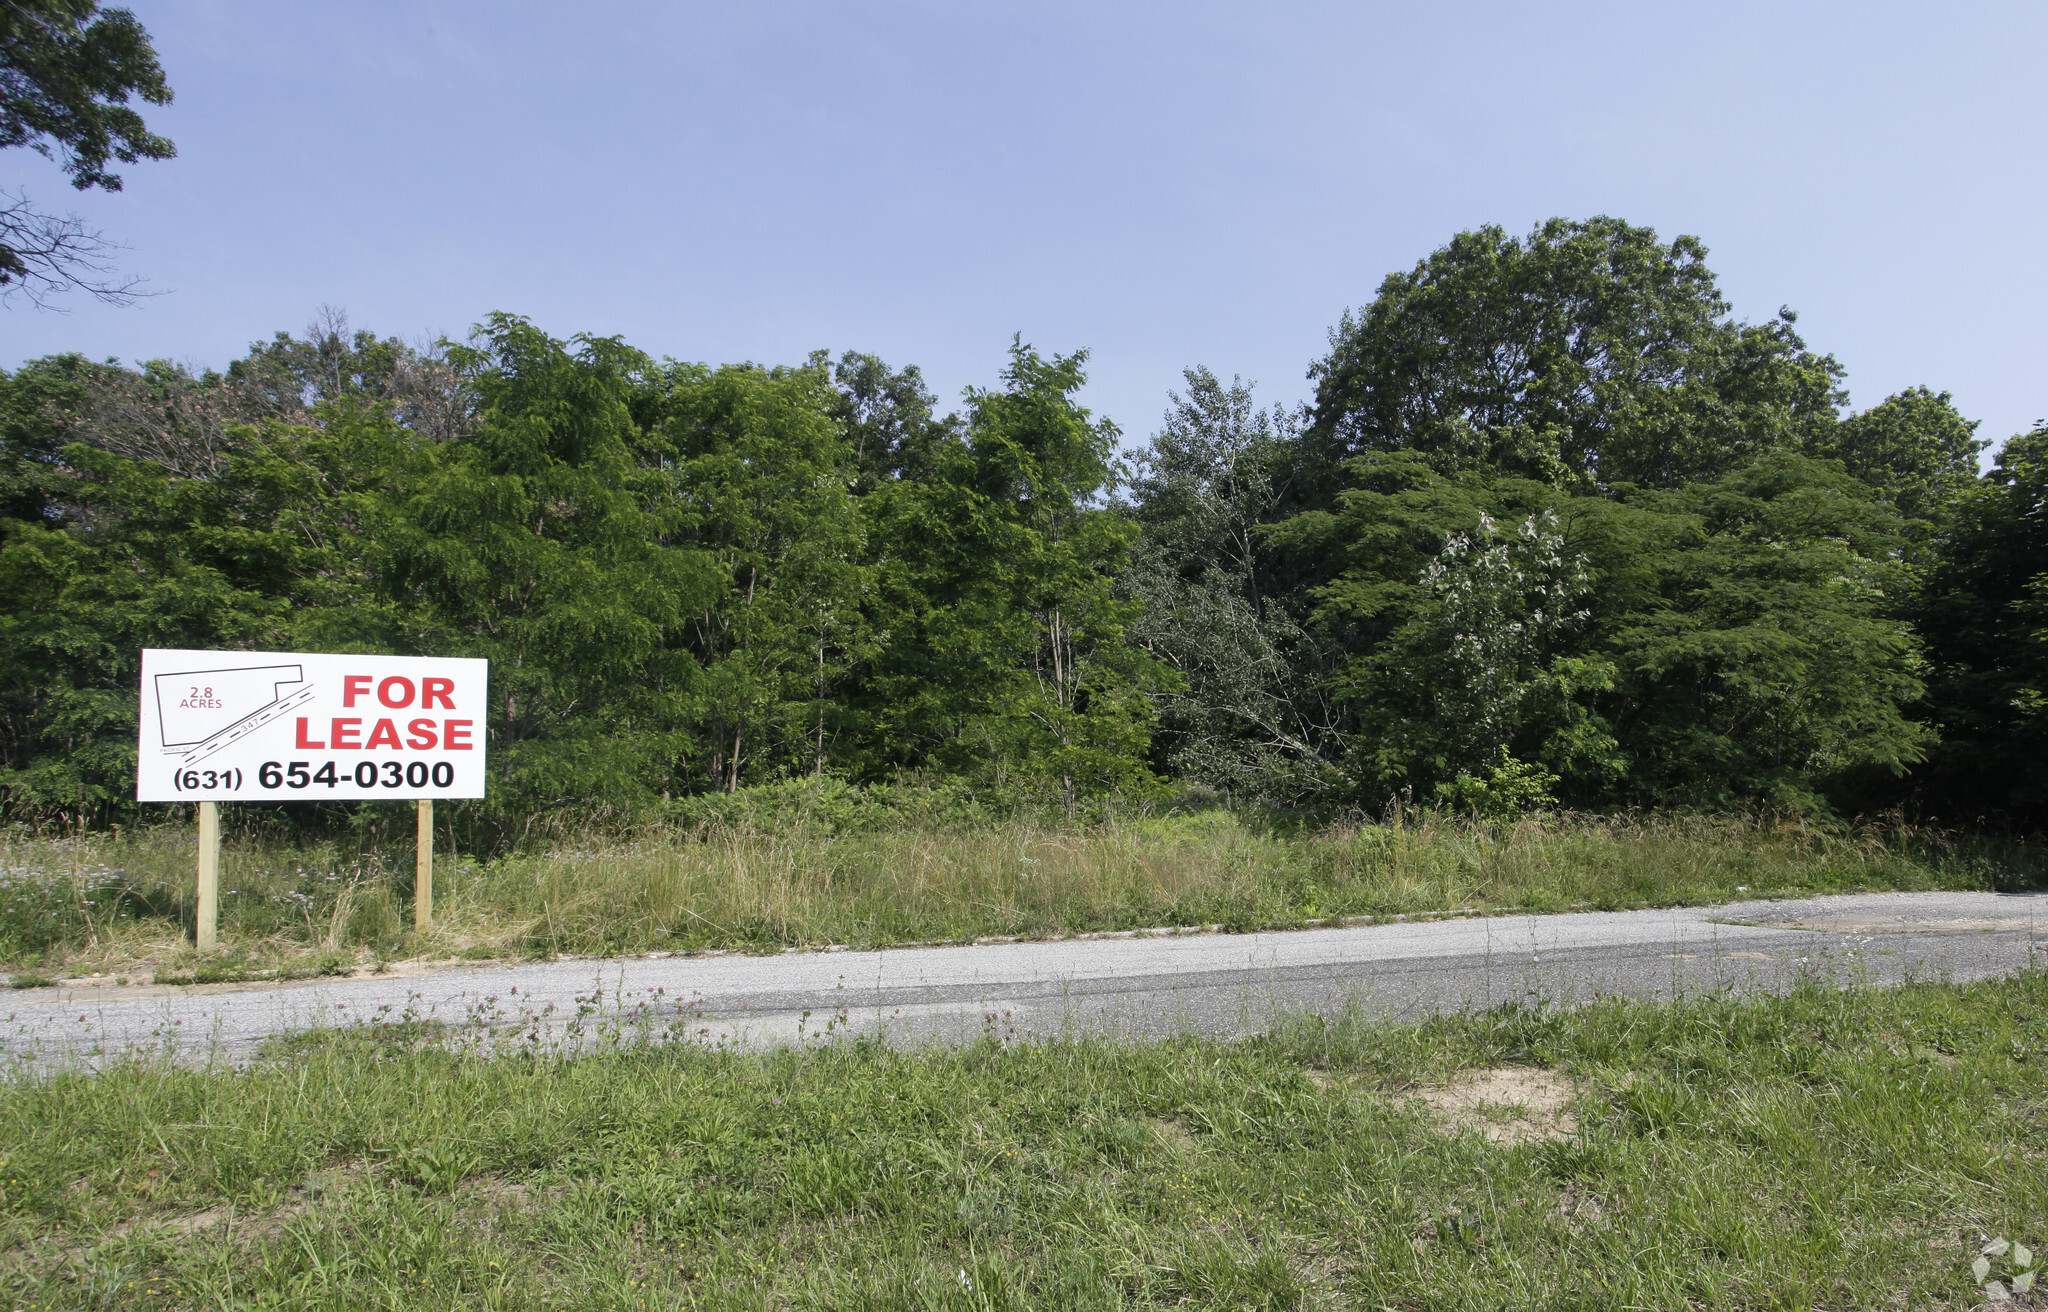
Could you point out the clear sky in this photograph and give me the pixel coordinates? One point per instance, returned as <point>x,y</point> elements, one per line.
<point>1164,184</point>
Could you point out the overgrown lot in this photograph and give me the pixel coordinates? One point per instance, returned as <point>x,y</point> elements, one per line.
<point>1830,1149</point>
<point>120,904</point>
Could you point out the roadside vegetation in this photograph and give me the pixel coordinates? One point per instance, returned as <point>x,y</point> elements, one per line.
<point>1838,1149</point>
<point>810,867</point>
<point>1557,529</point>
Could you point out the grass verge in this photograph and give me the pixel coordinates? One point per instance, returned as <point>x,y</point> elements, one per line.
<point>120,904</point>
<point>1824,1149</point>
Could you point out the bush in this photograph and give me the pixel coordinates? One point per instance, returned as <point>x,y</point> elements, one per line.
<point>1508,790</point>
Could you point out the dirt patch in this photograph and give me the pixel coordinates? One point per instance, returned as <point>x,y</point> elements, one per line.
<point>1174,1135</point>
<point>1509,1104</point>
<point>1581,1208</point>
<point>190,1223</point>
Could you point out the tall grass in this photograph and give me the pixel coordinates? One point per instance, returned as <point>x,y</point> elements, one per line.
<point>788,879</point>
<point>751,886</point>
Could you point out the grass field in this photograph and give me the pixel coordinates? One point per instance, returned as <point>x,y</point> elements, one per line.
<point>1827,1149</point>
<point>119,904</point>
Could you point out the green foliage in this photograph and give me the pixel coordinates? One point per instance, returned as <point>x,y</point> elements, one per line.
<point>890,418</point>
<point>1588,353</point>
<point>1768,658</point>
<point>1913,448</point>
<point>1005,651</point>
<point>535,542</point>
<point>70,68</point>
<point>1724,640</point>
<point>686,578</point>
<point>1985,613</point>
<point>1250,712</point>
<point>67,72</point>
<point>1509,789</point>
<point>1553,503</point>
<point>761,489</point>
<point>149,507</point>
<point>194,562</point>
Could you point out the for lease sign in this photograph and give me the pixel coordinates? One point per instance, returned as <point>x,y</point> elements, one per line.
<point>221,726</point>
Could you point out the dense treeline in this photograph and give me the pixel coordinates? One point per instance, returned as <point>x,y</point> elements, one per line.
<point>1556,525</point>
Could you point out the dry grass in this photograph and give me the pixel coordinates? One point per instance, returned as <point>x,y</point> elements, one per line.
<point>118,905</point>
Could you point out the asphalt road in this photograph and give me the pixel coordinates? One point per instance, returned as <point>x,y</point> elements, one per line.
<point>1214,984</point>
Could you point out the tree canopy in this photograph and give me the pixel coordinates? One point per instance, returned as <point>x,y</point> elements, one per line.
<point>1557,529</point>
<point>1588,353</point>
<point>68,71</point>
<point>1984,611</point>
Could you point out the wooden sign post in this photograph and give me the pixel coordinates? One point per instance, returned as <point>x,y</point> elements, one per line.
<point>209,875</point>
<point>423,869</point>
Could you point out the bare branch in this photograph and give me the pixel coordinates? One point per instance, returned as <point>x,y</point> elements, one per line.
<point>45,255</point>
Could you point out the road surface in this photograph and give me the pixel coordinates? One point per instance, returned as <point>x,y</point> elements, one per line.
<point>1146,986</point>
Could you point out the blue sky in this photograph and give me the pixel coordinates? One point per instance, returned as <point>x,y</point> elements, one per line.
<point>1165,184</point>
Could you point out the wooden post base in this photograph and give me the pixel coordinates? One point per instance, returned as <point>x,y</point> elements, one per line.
<point>207,932</point>
<point>423,870</point>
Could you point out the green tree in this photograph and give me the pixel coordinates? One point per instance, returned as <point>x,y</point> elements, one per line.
<point>1587,354</point>
<point>39,406</point>
<point>890,419</point>
<point>536,541</point>
<point>1505,602</point>
<point>1458,603</point>
<point>1251,713</point>
<point>1772,661</point>
<point>1984,611</point>
<point>1004,651</point>
<point>1722,642</point>
<point>335,366</point>
<point>761,479</point>
<point>1914,448</point>
<point>67,72</point>
<point>143,558</point>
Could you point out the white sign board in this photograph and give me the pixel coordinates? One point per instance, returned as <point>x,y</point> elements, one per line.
<point>265,726</point>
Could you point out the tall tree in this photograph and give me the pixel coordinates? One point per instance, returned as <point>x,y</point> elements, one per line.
<point>761,476</point>
<point>536,542</point>
<point>890,419</point>
<point>1722,642</point>
<point>334,365</point>
<point>135,556</point>
<point>67,72</point>
<point>1587,354</point>
<point>1252,711</point>
<point>1005,652</point>
<point>1985,615</point>
<point>1912,447</point>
